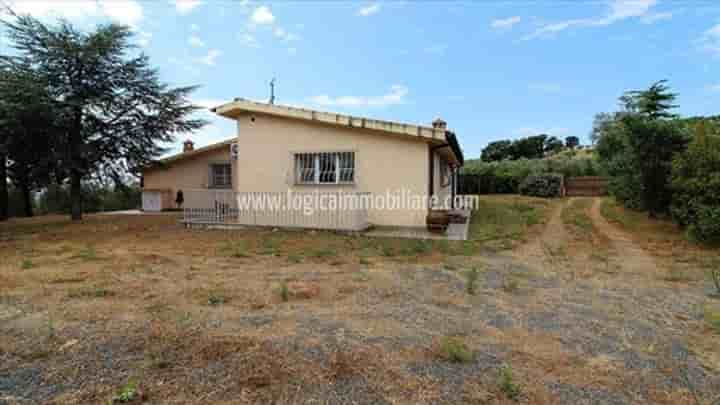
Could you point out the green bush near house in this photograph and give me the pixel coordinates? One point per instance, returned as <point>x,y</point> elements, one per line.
<point>696,187</point>
<point>543,185</point>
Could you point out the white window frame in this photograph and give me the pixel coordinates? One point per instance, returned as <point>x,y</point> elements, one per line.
<point>315,158</point>
<point>213,183</point>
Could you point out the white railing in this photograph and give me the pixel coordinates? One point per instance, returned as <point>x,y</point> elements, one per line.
<point>313,210</point>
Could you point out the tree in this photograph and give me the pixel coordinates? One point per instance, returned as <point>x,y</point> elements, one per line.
<point>494,151</point>
<point>28,131</point>
<point>111,108</point>
<point>636,147</point>
<point>4,197</point>
<point>553,144</point>
<point>653,143</point>
<point>572,142</point>
<point>532,147</point>
<point>655,102</point>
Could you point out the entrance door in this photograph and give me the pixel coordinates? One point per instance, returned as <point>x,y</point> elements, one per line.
<point>151,201</point>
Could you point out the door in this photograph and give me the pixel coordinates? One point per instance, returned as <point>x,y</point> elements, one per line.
<point>151,201</point>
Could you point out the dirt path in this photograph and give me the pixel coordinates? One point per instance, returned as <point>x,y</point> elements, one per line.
<point>553,238</point>
<point>629,256</point>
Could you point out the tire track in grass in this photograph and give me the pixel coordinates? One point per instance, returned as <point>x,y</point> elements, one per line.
<point>550,245</point>
<point>630,257</point>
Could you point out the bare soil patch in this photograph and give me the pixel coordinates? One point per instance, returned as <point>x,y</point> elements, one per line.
<point>191,316</point>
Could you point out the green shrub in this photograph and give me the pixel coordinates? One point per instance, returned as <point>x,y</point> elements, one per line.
<point>507,384</point>
<point>216,299</point>
<point>27,264</point>
<point>453,349</point>
<point>696,187</point>
<point>128,393</point>
<point>471,277</point>
<point>284,291</point>
<point>543,185</point>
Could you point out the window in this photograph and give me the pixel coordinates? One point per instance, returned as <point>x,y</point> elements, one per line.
<point>325,168</point>
<point>221,175</point>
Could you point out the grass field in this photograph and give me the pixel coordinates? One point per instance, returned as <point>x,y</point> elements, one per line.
<point>548,302</point>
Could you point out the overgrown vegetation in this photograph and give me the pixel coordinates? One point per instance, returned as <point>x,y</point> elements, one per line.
<point>696,185</point>
<point>506,176</point>
<point>660,163</point>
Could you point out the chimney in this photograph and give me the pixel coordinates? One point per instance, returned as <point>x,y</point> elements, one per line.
<point>188,146</point>
<point>439,124</point>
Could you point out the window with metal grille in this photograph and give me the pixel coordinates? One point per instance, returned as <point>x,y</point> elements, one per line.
<point>221,175</point>
<point>325,168</point>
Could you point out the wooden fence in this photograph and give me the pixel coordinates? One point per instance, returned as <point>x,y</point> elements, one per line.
<point>334,210</point>
<point>587,186</point>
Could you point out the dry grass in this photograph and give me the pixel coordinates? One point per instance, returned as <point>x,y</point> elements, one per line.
<point>116,304</point>
<point>663,238</point>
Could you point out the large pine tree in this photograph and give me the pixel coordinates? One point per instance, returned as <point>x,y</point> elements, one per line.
<point>112,111</point>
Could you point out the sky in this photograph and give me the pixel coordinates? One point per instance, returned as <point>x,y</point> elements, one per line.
<point>492,69</point>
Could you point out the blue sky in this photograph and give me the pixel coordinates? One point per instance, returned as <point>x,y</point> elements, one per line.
<point>492,70</point>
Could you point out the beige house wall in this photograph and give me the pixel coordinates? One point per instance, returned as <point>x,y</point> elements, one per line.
<point>187,174</point>
<point>383,162</point>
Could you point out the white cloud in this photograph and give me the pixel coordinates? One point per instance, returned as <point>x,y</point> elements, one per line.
<point>531,131</point>
<point>655,17</point>
<point>194,27</point>
<point>248,40</point>
<point>369,10</point>
<point>262,15</point>
<point>210,58</point>
<point>128,12</point>
<point>195,41</point>
<point>396,95</point>
<point>710,40</point>
<point>505,23</point>
<point>619,10</point>
<point>284,35</point>
<point>186,6</point>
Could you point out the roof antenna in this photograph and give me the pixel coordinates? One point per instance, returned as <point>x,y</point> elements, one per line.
<point>272,91</point>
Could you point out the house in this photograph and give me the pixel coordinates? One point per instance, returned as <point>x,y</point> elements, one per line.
<point>283,150</point>
<point>207,168</point>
